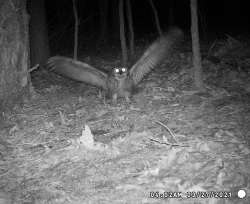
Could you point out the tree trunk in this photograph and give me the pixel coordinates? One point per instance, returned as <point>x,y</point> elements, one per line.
<point>75,28</point>
<point>122,34</point>
<point>39,43</point>
<point>157,22</point>
<point>197,67</point>
<point>14,54</point>
<point>131,30</point>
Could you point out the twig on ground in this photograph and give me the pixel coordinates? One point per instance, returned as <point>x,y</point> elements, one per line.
<point>171,133</point>
<point>168,143</point>
<point>34,68</point>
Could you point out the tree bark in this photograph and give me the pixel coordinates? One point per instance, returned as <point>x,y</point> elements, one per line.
<point>39,42</point>
<point>157,22</point>
<point>75,28</point>
<point>131,30</point>
<point>14,52</point>
<point>122,34</point>
<point>197,67</point>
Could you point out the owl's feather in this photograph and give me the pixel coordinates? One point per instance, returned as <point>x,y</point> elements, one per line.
<point>154,55</point>
<point>78,71</point>
<point>122,83</point>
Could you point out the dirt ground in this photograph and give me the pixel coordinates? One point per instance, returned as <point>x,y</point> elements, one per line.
<point>171,144</point>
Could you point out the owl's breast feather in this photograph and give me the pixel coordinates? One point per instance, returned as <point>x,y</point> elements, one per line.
<point>122,87</point>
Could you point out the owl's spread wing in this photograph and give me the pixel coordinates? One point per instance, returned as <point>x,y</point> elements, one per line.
<point>78,71</point>
<point>154,55</point>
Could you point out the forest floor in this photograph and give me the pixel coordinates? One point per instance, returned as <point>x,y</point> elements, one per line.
<point>171,144</point>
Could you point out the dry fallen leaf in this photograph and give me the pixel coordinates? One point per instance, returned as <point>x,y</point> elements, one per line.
<point>87,138</point>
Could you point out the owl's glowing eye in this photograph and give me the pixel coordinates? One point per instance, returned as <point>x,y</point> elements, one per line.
<point>124,69</point>
<point>116,70</point>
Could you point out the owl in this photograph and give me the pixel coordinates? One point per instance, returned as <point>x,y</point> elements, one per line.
<point>121,81</point>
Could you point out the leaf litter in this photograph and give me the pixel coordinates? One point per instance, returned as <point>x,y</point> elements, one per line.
<point>68,145</point>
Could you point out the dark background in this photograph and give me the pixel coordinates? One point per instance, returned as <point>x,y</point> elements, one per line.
<point>216,18</point>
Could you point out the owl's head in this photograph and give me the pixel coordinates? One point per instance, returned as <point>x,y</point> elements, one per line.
<point>120,72</point>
